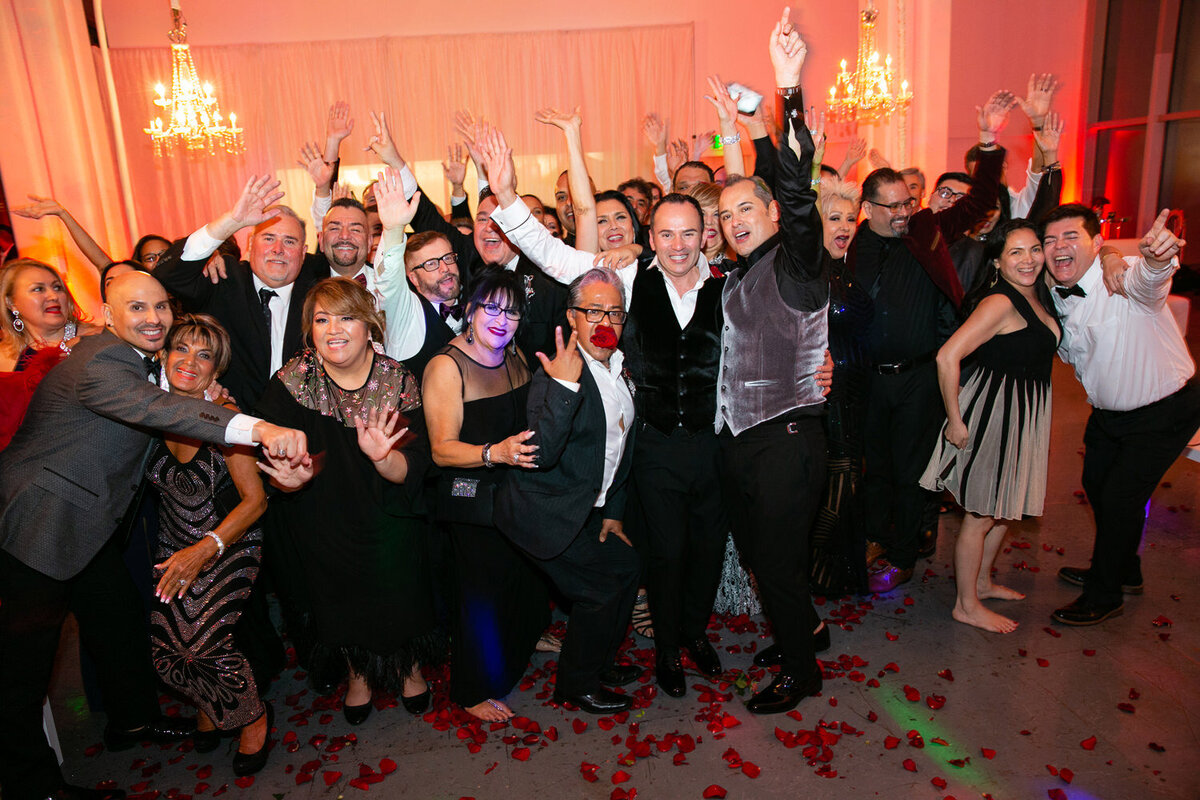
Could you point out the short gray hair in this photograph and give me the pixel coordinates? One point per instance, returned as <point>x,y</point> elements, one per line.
<point>595,275</point>
<point>284,211</point>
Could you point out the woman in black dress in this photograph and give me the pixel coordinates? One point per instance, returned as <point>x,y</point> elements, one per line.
<point>475,391</point>
<point>209,553</point>
<point>349,508</point>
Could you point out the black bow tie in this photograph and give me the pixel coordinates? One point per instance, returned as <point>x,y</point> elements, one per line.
<point>1065,292</point>
<point>153,368</point>
<point>451,310</point>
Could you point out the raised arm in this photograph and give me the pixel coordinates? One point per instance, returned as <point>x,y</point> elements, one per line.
<point>1036,106</point>
<point>43,206</point>
<point>855,153</point>
<point>587,236</point>
<point>400,305</point>
<point>655,131</point>
<point>1148,280</point>
<point>731,141</point>
<point>455,170</point>
<point>959,218</point>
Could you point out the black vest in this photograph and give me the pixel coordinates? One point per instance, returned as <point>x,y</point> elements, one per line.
<point>674,371</point>
<point>437,335</point>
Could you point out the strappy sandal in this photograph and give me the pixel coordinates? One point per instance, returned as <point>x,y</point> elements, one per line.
<point>549,643</point>
<point>643,623</point>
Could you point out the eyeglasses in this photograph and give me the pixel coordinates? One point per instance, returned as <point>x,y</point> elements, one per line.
<point>615,316</point>
<point>494,309</point>
<point>152,258</point>
<point>946,193</point>
<point>903,205</point>
<point>432,264</point>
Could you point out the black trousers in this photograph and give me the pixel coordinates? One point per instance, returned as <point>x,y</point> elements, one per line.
<point>904,418</point>
<point>1126,454</point>
<point>111,628</point>
<point>600,580</point>
<point>681,529</point>
<point>774,475</point>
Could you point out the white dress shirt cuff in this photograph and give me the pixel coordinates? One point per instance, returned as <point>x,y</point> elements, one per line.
<point>408,181</point>
<point>240,429</point>
<point>200,245</point>
<point>320,207</point>
<point>661,173</point>
<point>573,386</point>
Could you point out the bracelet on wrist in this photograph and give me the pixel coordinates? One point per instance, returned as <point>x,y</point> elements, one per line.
<point>787,91</point>
<point>1053,165</point>
<point>734,139</point>
<point>487,455</point>
<point>220,544</point>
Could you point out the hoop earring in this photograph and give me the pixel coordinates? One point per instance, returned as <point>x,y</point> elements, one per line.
<point>17,323</point>
<point>470,336</point>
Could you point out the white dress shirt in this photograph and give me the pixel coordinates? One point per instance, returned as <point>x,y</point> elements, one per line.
<point>1128,351</point>
<point>279,316</point>
<point>565,263</point>
<point>404,334</point>
<point>618,413</point>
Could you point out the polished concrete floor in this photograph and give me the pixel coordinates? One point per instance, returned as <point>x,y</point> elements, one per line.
<point>915,705</point>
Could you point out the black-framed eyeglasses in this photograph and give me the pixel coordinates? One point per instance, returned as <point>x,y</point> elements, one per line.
<point>615,316</point>
<point>903,205</point>
<point>152,258</point>
<point>946,193</point>
<point>431,264</point>
<point>494,310</point>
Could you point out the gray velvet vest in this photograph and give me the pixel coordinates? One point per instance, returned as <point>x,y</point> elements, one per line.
<point>769,351</point>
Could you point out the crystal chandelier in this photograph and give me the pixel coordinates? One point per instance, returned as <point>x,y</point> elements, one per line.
<point>194,116</point>
<point>867,93</point>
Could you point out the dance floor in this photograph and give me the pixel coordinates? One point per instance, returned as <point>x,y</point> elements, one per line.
<point>915,705</point>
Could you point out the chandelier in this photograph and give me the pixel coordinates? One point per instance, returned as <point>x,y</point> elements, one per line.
<point>194,116</point>
<point>867,94</point>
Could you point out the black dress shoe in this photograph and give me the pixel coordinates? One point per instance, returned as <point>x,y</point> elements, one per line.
<point>668,671</point>
<point>357,715</point>
<point>417,703</point>
<point>620,674</point>
<point>705,657</point>
<point>601,701</point>
<point>1087,612</point>
<point>68,792</point>
<point>785,693</point>
<point>1077,575</point>
<point>250,763</point>
<point>927,542</point>
<point>162,729</point>
<point>323,686</point>
<point>772,657</point>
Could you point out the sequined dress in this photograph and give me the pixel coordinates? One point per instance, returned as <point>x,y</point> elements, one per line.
<point>192,638</point>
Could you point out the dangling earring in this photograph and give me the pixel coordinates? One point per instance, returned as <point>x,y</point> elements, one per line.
<point>995,277</point>
<point>470,336</point>
<point>17,323</point>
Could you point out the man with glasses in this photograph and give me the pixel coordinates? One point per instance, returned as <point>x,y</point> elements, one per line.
<point>901,256</point>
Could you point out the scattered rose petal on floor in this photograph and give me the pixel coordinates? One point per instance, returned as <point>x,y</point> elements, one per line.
<point>1066,774</point>
<point>714,792</point>
<point>1053,770</point>
<point>910,765</point>
<point>935,701</point>
<point>331,777</point>
<point>1128,708</point>
<point>891,637</point>
<point>1158,748</point>
<point>623,794</point>
<point>911,694</point>
<point>946,675</point>
<point>1161,622</point>
<point>1056,794</point>
<point>751,769</point>
<point>988,753</point>
<point>872,716</point>
<point>521,754</point>
<point>1053,632</point>
<point>246,781</point>
<point>891,743</point>
<point>620,776</point>
<point>1089,652</point>
<point>1088,743</point>
<point>1041,662</point>
<point>938,782</point>
<point>589,771</point>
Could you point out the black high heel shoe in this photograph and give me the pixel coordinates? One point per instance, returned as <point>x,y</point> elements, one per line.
<point>356,715</point>
<point>250,763</point>
<point>206,741</point>
<point>417,704</point>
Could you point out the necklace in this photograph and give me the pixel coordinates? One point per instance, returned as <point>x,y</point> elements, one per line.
<point>68,334</point>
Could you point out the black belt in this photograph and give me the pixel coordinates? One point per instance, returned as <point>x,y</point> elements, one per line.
<point>903,366</point>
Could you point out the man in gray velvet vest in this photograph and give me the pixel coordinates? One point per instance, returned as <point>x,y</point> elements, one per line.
<point>769,404</point>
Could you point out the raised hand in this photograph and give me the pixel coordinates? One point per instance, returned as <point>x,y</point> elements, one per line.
<point>341,190</point>
<point>40,207</point>
<point>395,211</point>
<point>1038,94</point>
<point>701,143</point>
<point>787,51</point>
<point>339,124</point>
<point>993,115</point>
<point>877,160</point>
<point>722,101</point>
<point>313,160</point>
<point>655,131</point>
<point>470,131</point>
<point>381,143</point>
<point>252,206</point>
<point>815,120</point>
<point>1159,245</point>
<point>455,165</point>
<point>497,157</point>
<point>378,433</point>
<point>677,153</point>
<point>1050,134</point>
<point>567,364</point>
<point>560,119</point>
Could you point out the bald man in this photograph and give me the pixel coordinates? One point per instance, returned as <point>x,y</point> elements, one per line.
<point>68,476</point>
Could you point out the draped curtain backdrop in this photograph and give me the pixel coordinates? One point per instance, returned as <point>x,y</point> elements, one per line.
<point>282,92</point>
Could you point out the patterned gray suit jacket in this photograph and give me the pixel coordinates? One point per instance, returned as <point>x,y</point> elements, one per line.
<point>70,471</point>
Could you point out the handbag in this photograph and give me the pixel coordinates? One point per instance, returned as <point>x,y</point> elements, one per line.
<point>465,499</point>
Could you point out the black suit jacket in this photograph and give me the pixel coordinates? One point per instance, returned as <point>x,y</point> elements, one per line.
<point>235,303</point>
<point>543,510</point>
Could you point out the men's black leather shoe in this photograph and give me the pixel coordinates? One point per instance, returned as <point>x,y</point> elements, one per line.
<point>69,792</point>
<point>705,657</point>
<point>1077,575</point>
<point>620,674</point>
<point>785,693</point>
<point>601,701</point>
<point>162,730</point>
<point>927,542</point>
<point>772,657</point>
<point>668,671</point>
<point>1087,612</point>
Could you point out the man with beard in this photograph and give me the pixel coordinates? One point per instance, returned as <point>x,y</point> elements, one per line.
<point>345,242</point>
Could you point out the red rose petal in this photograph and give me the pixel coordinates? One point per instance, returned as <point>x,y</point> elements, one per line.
<point>246,781</point>
<point>1161,622</point>
<point>1066,774</point>
<point>1128,708</point>
<point>891,637</point>
<point>521,754</point>
<point>492,767</point>
<point>1089,652</point>
<point>1053,770</point>
<point>606,723</point>
<point>359,783</point>
<point>679,759</point>
<point>578,725</point>
<point>911,694</point>
<point>331,777</point>
<point>387,766</point>
<point>301,777</point>
<point>751,769</point>
<point>935,701</point>
<point>938,782</point>
<point>946,674</point>
<point>988,753</point>
<point>1088,743</point>
<point>891,743</point>
<point>1056,794</point>
<point>620,776</point>
<point>1134,694</point>
<point>1041,662</point>
<point>872,716</point>
<point>910,765</point>
<point>588,771</point>
<point>714,792</point>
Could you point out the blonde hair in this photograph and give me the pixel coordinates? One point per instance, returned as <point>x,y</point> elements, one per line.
<point>706,194</point>
<point>8,279</point>
<point>835,188</point>
<point>343,296</point>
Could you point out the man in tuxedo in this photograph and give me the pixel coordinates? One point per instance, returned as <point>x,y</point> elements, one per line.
<point>68,476</point>
<point>567,512</point>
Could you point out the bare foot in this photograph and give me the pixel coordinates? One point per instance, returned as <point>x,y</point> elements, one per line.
<point>994,591</point>
<point>254,736</point>
<point>982,618</point>
<point>491,711</point>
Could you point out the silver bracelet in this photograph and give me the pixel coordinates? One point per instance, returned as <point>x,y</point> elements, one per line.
<point>487,455</point>
<point>737,137</point>
<point>217,539</point>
